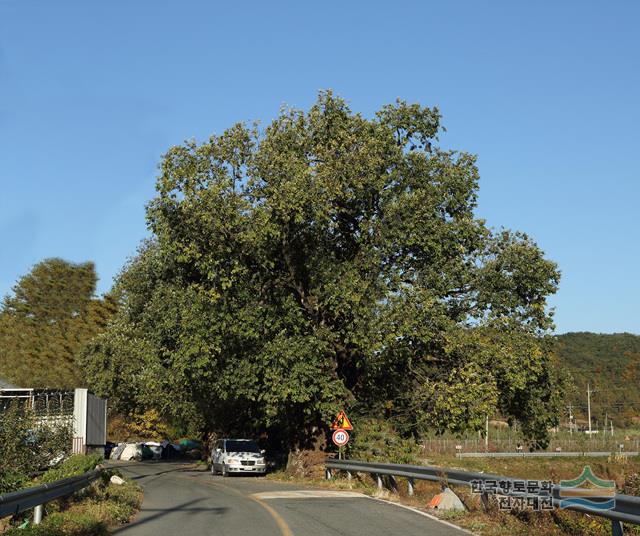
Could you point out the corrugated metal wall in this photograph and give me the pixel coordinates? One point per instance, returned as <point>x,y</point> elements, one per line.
<point>96,420</point>
<point>89,421</point>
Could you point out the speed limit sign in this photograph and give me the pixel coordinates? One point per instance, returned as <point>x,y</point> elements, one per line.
<point>340,437</point>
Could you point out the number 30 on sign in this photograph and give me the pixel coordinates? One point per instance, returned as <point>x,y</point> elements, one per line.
<point>340,438</point>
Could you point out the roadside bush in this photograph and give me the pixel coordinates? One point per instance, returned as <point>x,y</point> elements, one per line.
<point>12,480</point>
<point>27,445</point>
<point>378,440</point>
<point>72,466</point>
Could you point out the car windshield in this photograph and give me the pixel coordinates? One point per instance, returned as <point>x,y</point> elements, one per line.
<point>242,446</point>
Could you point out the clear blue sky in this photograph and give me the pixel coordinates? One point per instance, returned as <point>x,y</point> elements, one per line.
<point>546,93</point>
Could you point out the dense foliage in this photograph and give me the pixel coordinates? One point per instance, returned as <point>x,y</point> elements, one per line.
<point>329,260</point>
<point>44,323</point>
<point>611,365</point>
<point>27,445</point>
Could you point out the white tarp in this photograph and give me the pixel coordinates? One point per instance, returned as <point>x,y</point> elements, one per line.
<point>132,451</point>
<point>117,451</point>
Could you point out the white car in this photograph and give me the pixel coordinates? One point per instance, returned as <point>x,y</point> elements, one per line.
<point>231,456</point>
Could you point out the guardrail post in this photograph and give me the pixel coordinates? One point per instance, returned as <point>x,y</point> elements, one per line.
<point>327,474</point>
<point>616,528</point>
<point>393,484</point>
<point>379,481</point>
<point>485,501</point>
<point>349,475</point>
<point>37,515</point>
<point>410,486</point>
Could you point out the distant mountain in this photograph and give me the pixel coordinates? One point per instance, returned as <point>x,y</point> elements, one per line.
<point>610,364</point>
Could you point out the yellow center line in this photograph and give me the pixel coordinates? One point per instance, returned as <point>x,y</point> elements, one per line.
<point>282,524</point>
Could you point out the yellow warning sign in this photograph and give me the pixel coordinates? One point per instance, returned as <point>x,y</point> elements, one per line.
<point>341,422</point>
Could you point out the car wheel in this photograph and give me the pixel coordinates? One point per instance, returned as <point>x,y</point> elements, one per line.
<point>224,470</point>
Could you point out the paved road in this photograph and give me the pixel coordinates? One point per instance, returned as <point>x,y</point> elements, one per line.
<point>181,501</point>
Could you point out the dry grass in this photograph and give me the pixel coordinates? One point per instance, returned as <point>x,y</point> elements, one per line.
<point>617,469</point>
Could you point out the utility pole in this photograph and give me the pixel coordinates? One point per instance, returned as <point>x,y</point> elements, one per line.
<point>486,434</point>
<point>589,391</point>
<point>570,419</point>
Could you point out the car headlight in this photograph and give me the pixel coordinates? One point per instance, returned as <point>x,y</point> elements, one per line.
<point>233,460</point>
<point>260,461</point>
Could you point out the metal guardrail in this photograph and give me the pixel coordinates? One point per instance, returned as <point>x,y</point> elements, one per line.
<point>25,499</point>
<point>626,509</point>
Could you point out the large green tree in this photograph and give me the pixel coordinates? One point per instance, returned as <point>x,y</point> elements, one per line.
<point>329,259</point>
<point>46,320</point>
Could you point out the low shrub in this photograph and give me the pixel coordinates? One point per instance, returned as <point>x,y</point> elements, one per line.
<point>11,480</point>
<point>72,466</point>
<point>28,445</point>
<point>377,440</point>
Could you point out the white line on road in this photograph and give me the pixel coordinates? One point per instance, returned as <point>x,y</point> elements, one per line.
<point>406,507</point>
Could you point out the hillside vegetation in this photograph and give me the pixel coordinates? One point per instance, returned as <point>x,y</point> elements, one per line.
<point>610,364</point>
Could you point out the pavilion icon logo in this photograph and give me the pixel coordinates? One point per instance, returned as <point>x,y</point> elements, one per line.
<point>588,491</point>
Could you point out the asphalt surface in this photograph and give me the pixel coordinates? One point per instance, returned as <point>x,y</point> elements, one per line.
<point>179,500</point>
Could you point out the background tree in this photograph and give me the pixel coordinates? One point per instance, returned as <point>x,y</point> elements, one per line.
<point>48,318</point>
<point>330,260</point>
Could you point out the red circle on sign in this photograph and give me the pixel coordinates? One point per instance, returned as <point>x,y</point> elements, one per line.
<point>340,437</point>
